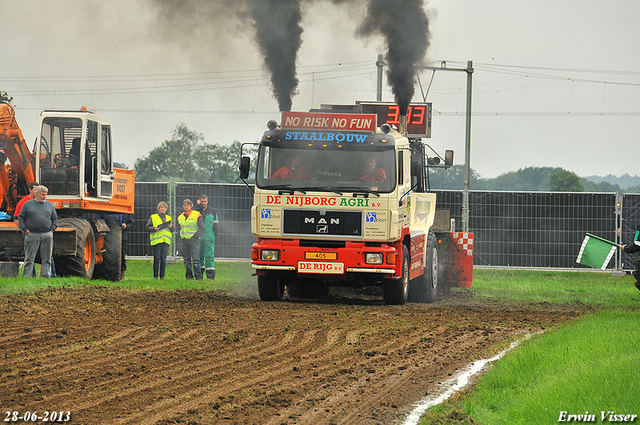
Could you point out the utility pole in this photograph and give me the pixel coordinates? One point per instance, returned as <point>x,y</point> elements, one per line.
<point>467,139</point>
<point>467,153</point>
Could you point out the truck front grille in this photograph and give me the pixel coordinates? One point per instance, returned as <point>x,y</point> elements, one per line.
<point>322,223</point>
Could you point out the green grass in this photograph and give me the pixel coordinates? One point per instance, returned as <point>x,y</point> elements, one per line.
<point>235,277</point>
<point>588,365</point>
<point>590,288</point>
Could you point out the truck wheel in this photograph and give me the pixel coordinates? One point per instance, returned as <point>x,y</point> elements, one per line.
<point>270,288</point>
<point>109,269</point>
<point>396,291</point>
<point>82,263</point>
<point>423,289</point>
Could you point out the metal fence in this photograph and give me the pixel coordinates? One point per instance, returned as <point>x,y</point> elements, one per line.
<point>512,229</point>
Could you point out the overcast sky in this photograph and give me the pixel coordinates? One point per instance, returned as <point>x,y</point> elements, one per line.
<point>556,83</point>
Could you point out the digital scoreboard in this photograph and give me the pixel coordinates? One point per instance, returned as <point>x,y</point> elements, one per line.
<point>418,116</point>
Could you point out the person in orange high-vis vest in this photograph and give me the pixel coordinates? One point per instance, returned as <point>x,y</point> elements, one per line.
<point>191,228</point>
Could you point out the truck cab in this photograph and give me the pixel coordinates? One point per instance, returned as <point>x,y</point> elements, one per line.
<point>337,202</point>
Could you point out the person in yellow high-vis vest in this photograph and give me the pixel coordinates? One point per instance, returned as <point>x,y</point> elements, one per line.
<point>160,227</point>
<point>191,228</point>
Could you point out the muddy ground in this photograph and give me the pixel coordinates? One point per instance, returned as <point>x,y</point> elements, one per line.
<point>112,356</point>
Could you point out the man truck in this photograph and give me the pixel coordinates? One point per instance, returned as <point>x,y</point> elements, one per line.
<point>354,211</point>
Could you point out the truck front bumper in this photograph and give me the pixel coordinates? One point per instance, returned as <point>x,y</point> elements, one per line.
<point>286,255</point>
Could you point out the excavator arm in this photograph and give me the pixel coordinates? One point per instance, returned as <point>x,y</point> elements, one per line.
<point>14,178</point>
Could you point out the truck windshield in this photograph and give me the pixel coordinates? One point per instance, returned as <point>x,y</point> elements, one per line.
<point>326,168</point>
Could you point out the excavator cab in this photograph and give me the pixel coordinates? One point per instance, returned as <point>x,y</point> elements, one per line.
<point>74,155</point>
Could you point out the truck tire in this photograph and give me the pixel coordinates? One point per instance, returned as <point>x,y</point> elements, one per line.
<point>82,263</point>
<point>270,287</point>
<point>396,291</point>
<point>423,289</point>
<point>109,269</point>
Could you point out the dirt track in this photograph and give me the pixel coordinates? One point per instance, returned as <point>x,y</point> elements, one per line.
<point>123,357</point>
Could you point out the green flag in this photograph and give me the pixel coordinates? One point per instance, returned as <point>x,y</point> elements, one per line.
<point>596,252</point>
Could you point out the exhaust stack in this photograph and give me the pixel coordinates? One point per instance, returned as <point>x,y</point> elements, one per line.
<point>403,125</point>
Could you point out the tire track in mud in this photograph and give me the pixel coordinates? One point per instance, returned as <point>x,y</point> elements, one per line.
<point>187,356</point>
<point>358,403</point>
<point>270,375</point>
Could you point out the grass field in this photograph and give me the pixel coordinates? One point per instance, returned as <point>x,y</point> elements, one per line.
<point>235,277</point>
<point>585,367</point>
<point>588,367</point>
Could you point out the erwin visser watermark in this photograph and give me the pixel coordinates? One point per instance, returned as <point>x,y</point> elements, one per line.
<point>605,416</point>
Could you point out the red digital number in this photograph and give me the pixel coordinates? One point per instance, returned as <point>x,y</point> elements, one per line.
<point>394,114</point>
<point>418,115</point>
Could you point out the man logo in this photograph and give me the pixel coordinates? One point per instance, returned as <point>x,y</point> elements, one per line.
<point>322,229</point>
<point>321,220</point>
<point>265,213</point>
<point>371,217</point>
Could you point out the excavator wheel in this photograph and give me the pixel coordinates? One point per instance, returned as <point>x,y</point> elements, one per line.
<point>82,263</point>
<point>109,269</point>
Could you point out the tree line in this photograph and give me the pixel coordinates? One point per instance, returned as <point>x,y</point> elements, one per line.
<point>186,157</point>
<point>553,179</point>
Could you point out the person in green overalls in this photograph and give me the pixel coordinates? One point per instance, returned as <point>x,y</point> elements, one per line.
<point>208,240</point>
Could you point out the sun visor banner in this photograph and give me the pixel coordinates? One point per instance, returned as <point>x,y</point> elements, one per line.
<point>321,121</point>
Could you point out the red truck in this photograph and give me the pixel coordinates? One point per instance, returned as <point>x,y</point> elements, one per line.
<point>341,201</point>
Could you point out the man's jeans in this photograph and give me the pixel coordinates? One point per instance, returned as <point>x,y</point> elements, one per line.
<point>34,243</point>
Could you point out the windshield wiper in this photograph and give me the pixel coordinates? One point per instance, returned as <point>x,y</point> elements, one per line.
<point>284,188</point>
<point>357,191</point>
<point>324,189</point>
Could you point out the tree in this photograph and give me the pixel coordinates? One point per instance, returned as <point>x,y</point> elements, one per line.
<point>175,158</point>
<point>187,158</point>
<point>525,179</point>
<point>452,178</point>
<point>221,162</point>
<point>5,98</point>
<point>603,186</point>
<point>565,181</point>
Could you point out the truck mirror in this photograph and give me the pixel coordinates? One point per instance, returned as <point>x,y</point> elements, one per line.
<point>245,165</point>
<point>448,158</point>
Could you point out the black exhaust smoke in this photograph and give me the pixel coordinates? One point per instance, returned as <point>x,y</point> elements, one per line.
<point>405,27</point>
<point>278,30</point>
<point>279,35</point>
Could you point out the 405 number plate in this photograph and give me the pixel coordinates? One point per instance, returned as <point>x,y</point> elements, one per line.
<point>320,255</point>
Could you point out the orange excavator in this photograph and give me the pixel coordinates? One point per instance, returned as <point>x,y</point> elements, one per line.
<point>72,157</point>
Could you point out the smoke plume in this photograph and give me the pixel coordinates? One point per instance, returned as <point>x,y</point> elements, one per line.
<point>405,27</point>
<point>279,35</point>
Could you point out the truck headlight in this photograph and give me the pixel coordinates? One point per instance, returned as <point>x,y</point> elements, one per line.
<point>373,258</point>
<point>269,255</point>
